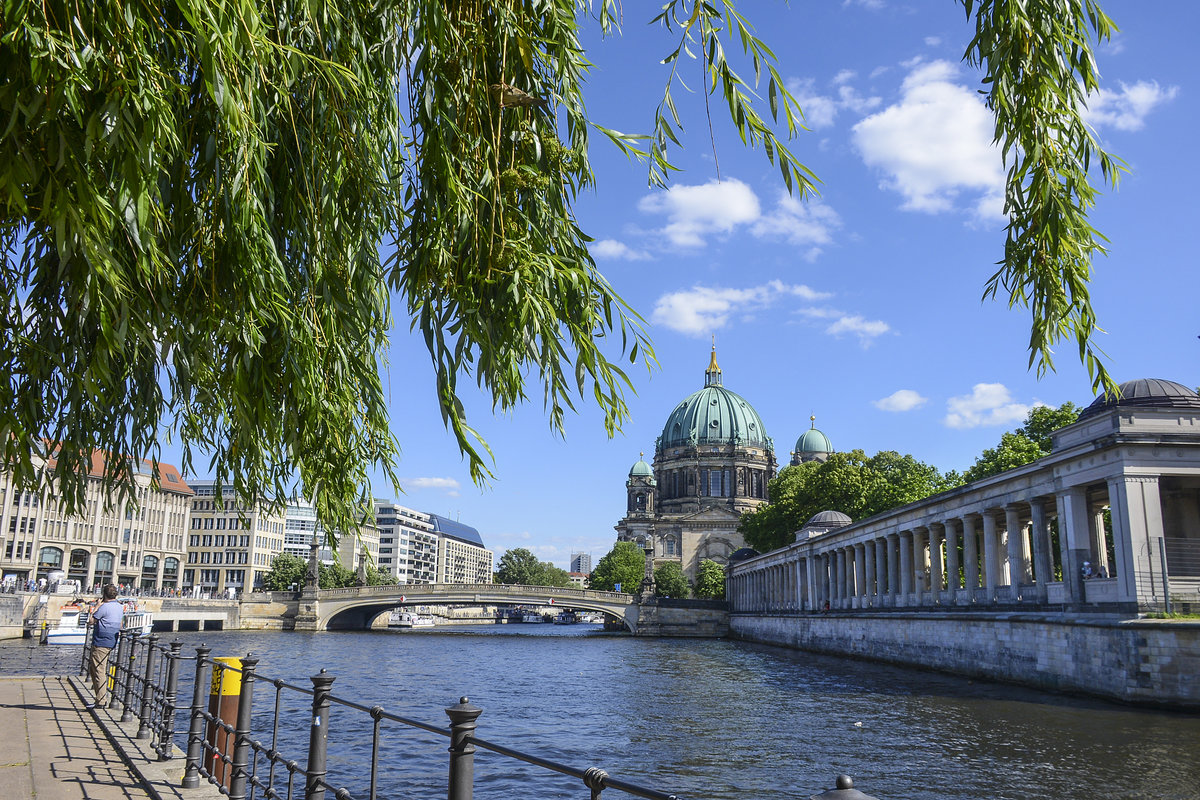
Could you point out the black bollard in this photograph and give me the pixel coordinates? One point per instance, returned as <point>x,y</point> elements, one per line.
<point>167,721</point>
<point>195,749</point>
<point>845,791</point>
<point>241,740</point>
<point>462,752</point>
<point>318,737</point>
<point>147,691</point>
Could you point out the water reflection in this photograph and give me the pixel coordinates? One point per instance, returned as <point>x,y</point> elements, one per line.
<point>703,718</point>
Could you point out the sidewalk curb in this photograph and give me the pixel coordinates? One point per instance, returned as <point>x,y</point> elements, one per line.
<point>161,779</point>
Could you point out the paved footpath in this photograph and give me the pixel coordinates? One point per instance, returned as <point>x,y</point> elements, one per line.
<point>53,748</point>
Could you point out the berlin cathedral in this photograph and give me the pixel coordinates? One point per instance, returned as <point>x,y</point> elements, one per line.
<point>711,464</point>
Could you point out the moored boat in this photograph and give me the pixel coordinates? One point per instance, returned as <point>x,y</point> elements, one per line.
<point>71,628</point>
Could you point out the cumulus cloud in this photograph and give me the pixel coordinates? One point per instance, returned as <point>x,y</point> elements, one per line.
<point>871,4</point>
<point>820,110</point>
<point>1127,109</point>
<point>934,144</point>
<point>696,212</point>
<point>616,251</point>
<point>901,400</point>
<point>933,41</point>
<point>700,310</point>
<point>448,485</point>
<point>987,404</point>
<point>865,329</point>
<point>718,208</point>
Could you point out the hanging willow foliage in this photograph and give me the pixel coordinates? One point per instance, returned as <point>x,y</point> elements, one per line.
<point>195,195</point>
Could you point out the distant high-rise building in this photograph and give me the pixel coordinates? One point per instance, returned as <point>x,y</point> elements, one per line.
<point>581,562</point>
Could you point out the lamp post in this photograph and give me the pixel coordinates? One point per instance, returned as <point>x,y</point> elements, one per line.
<point>647,588</point>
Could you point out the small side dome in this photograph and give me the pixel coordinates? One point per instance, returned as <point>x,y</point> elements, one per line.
<point>822,522</point>
<point>1146,393</point>
<point>641,469</point>
<point>813,445</point>
<point>742,555</point>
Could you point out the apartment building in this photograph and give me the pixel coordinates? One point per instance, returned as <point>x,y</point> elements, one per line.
<point>230,546</point>
<point>462,558</point>
<point>352,552</point>
<point>137,545</point>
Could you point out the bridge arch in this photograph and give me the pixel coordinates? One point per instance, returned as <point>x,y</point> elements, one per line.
<point>354,608</point>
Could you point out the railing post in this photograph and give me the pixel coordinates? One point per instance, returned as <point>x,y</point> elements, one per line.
<point>241,733</point>
<point>147,692</point>
<point>318,737</point>
<point>195,748</point>
<point>166,728</point>
<point>1166,579</point>
<point>462,751</point>
<point>115,666</point>
<point>127,701</point>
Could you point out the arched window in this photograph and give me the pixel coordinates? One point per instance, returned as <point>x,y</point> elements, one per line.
<point>670,546</point>
<point>104,565</point>
<point>50,558</point>
<point>150,564</point>
<point>170,568</point>
<point>640,502</point>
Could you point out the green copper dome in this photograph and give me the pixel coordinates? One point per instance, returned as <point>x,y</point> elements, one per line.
<point>714,416</point>
<point>813,441</point>
<point>641,470</point>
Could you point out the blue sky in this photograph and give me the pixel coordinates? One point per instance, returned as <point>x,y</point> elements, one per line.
<point>861,307</point>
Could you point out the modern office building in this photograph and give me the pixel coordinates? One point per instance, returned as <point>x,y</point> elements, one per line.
<point>462,558</point>
<point>230,547</point>
<point>582,563</point>
<point>352,552</point>
<point>408,545</point>
<point>139,545</point>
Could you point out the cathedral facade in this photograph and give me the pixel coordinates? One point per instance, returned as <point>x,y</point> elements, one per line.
<point>711,464</point>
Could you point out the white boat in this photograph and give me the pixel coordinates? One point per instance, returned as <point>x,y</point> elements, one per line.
<point>407,619</point>
<point>71,628</point>
<point>532,616</point>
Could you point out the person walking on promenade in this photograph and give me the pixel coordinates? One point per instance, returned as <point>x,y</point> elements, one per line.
<point>107,621</point>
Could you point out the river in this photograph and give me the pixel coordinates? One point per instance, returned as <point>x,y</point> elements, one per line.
<point>703,719</point>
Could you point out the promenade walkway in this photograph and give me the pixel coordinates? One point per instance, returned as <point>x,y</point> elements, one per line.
<point>52,748</point>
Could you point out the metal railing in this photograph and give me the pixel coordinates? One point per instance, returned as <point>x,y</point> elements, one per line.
<point>246,758</point>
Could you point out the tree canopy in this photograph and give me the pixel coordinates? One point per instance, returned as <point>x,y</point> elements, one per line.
<point>669,580</point>
<point>194,198</point>
<point>710,580</point>
<point>847,482</point>
<point>1024,445</point>
<point>520,566</point>
<point>624,566</point>
<point>288,572</point>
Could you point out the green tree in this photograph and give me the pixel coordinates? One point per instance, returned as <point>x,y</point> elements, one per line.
<point>287,573</point>
<point>847,482</point>
<point>624,566</point>
<point>194,198</point>
<point>519,566</point>
<point>554,576</point>
<point>1024,445</point>
<point>710,580</point>
<point>669,580</point>
<point>335,576</point>
<point>379,577</point>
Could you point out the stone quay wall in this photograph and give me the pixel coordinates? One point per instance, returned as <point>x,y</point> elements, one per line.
<point>1146,662</point>
<point>12,615</point>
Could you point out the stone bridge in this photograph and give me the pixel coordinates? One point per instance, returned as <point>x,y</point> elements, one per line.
<point>356,607</point>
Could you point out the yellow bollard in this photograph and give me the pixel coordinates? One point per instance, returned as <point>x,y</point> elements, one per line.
<point>223,694</point>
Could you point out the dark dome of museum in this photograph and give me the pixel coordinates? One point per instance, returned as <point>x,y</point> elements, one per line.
<point>1145,393</point>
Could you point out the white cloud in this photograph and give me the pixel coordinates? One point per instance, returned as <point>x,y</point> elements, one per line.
<point>933,41</point>
<point>865,329</point>
<point>614,250</point>
<point>696,212</point>
<point>901,400</point>
<point>987,404</point>
<point>871,4</point>
<point>448,485</point>
<point>701,310</point>
<point>1127,109</point>
<point>935,143</point>
<point>820,111</point>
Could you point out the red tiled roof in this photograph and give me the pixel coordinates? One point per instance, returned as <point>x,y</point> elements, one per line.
<point>169,479</point>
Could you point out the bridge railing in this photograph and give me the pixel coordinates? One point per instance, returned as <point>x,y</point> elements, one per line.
<point>514,590</point>
<point>257,754</point>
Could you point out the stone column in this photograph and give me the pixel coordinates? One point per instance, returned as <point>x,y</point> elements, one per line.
<point>953,579</point>
<point>881,587</point>
<point>893,559</point>
<point>991,558</point>
<point>1074,539</point>
<point>920,584</point>
<point>935,563</point>
<point>970,555</point>
<point>906,567</point>
<point>860,574</point>
<point>870,587</point>
<point>810,566</point>
<point>1043,563</point>
<point>1016,550</point>
<point>1136,505</point>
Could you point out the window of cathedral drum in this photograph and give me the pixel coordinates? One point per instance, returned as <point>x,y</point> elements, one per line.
<point>727,486</point>
<point>714,483</point>
<point>670,546</point>
<point>640,502</point>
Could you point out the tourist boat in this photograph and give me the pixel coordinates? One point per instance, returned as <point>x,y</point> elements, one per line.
<point>408,619</point>
<point>566,618</point>
<point>532,616</point>
<point>137,621</point>
<point>71,628</point>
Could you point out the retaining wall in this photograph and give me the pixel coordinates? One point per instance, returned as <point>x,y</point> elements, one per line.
<point>11,614</point>
<point>1151,662</point>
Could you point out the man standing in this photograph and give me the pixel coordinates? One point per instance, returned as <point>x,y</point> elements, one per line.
<point>107,624</point>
